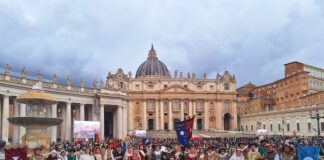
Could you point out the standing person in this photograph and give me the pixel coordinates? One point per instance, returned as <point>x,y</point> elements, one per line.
<point>211,154</point>
<point>201,154</point>
<point>129,152</point>
<point>72,155</point>
<point>97,154</point>
<point>135,156</point>
<point>253,153</point>
<point>63,155</point>
<point>288,153</point>
<point>37,154</point>
<point>166,155</point>
<point>87,155</point>
<point>142,152</point>
<point>108,154</point>
<point>157,153</point>
<point>238,155</point>
<point>192,154</point>
<point>271,153</point>
<point>222,154</point>
<point>52,155</point>
<point>118,154</point>
<point>178,155</point>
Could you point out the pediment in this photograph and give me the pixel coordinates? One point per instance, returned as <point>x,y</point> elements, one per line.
<point>176,88</point>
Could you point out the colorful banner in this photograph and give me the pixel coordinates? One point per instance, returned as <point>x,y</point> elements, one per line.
<point>85,129</point>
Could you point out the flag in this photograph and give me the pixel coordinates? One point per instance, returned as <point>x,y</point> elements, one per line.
<point>189,126</point>
<point>308,153</point>
<point>145,140</point>
<point>180,127</point>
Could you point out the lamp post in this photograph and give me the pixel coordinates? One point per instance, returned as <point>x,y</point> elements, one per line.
<point>316,116</point>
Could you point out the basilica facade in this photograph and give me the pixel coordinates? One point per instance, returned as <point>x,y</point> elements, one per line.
<point>152,99</point>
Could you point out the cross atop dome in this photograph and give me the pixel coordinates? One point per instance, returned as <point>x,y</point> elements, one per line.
<point>152,52</point>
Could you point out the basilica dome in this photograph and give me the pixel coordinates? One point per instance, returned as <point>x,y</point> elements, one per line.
<point>152,67</point>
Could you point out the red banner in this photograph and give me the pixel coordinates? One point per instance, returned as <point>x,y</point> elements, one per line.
<point>189,126</point>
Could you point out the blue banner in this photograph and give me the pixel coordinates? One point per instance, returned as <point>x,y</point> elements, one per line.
<point>180,127</point>
<point>308,153</point>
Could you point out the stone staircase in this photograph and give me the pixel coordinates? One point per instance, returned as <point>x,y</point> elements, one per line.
<point>202,134</point>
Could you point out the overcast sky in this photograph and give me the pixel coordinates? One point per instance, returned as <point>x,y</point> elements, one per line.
<point>88,38</point>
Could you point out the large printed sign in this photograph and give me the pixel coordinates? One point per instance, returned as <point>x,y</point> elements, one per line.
<point>85,129</point>
<point>261,132</point>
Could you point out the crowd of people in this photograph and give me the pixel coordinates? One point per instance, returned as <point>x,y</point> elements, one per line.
<point>131,148</point>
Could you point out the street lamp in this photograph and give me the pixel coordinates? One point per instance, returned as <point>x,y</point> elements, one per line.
<point>317,117</point>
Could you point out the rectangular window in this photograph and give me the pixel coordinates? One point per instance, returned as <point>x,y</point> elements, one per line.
<point>270,127</point>
<point>226,87</point>
<point>151,105</point>
<point>246,128</point>
<point>288,127</point>
<point>175,105</point>
<point>322,126</point>
<point>263,126</point>
<point>309,125</point>
<point>251,127</point>
<point>298,127</point>
<point>279,127</point>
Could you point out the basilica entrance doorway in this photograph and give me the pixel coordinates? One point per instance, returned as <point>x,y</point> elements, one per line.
<point>227,119</point>
<point>150,124</point>
<point>199,124</point>
<point>109,124</point>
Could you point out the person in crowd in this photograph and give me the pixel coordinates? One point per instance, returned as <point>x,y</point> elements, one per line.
<point>135,156</point>
<point>223,155</point>
<point>253,154</point>
<point>129,152</point>
<point>271,153</point>
<point>108,154</point>
<point>211,154</point>
<point>72,155</point>
<point>142,152</point>
<point>288,153</point>
<point>37,154</point>
<point>201,154</point>
<point>169,153</point>
<point>157,155</point>
<point>178,155</point>
<point>98,153</point>
<point>52,155</point>
<point>192,154</point>
<point>63,155</point>
<point>87,155</point>
<point>118,153</point>
<point>238,155</point>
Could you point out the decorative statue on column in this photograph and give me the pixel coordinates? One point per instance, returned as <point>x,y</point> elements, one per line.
<point>7,70</point>
<point>68,80</point>
<point>82,83</point>
<point>205,76</point>
<point>102,85</point>
<point>23,72</point>
<point>39,76</point>
<point>55,78</point>
<point>188,75</point>
<point>175,73</point>
<point>94,84</point>
<point>129,74</point>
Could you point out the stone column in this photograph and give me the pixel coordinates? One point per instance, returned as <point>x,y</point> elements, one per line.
<point>170,116</point>
<point>194,113</point>
<point>235,116</point>
<point>68,122</point>
<point>54,128</point>
<point>82,112</point>
<point>5,115</point>
<point>206,117</point>
<point>102,121</point>
<point>63,124</point>
<point>156,115</point>
<point>131,115</point>
<point>162,115</point>
<point>22,113</point>
<point>124,120</point>
<point>190,107</point>
<point>181,110</point>
<point>115,124</point>
<point>15,136</point>
<point>144,116</point>
<point>119,122</point>
<point>1,116</point>
<point>219,116</point>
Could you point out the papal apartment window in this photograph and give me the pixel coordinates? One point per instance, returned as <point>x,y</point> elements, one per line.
<point>226,86</point>
<point>309,126</point>
<point>322,126</point>
<point>279,127</point>
<point>298,127</point>
<point>270,127</point>
<point>288,127</point>
<point>263,126</point>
